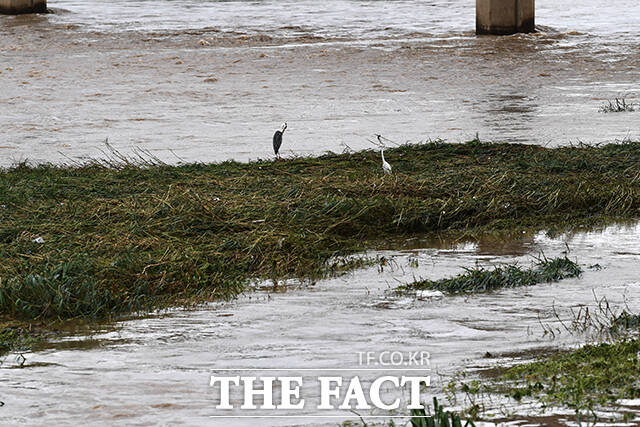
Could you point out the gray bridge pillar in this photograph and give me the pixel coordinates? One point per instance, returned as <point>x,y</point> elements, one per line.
<point>14,7</point>
<point>505,16</point>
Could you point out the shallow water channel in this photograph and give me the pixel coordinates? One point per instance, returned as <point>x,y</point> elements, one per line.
<point>139,371</point>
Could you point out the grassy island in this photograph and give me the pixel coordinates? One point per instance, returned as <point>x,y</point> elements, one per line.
<point>94,240</point>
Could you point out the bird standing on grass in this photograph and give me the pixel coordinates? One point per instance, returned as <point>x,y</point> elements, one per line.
<point>386,167</point>
<point>277,139</point>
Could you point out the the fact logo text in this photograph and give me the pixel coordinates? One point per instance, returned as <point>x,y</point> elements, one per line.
<point>335,392</point>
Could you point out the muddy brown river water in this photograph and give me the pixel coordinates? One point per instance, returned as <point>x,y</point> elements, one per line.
<point>191,80</point>
<point>210,81</point>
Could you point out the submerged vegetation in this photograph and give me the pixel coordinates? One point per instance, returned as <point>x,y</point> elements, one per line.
<point>584,380</point>
<point>479,279</point>
<point>93,240</point>
<point>592,380</point>
<point>618,105</point>
<point>16,338</point>
<point>440,418</point>
<point>600,322</point>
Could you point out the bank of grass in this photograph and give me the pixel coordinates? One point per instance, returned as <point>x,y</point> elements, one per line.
<point>95,240</point>
<point>480,279</point>
<point>592,380</point>
<point>588,380</point>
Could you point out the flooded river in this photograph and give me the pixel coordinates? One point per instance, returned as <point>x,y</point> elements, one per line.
<point>158,368</point>
<point>211,80</point>
<point>191,80</point>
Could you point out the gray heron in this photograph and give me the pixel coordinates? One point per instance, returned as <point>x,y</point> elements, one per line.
<point>277,138</point>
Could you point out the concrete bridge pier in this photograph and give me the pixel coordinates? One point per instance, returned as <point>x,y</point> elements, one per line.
<point>503,17</point>
<point>15,7</point>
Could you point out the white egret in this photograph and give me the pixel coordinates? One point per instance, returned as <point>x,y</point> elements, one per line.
<point>386,167</point>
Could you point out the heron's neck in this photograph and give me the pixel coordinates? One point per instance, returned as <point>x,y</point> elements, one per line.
<point>382,152</point>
